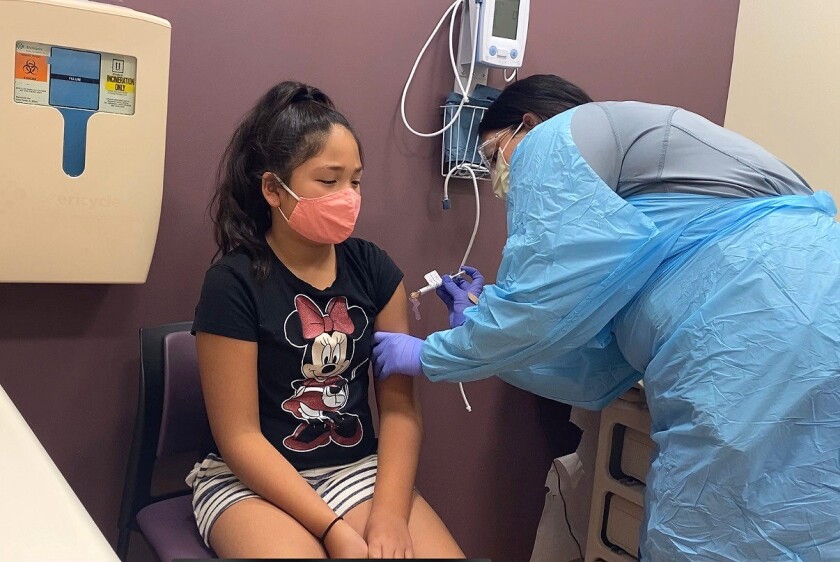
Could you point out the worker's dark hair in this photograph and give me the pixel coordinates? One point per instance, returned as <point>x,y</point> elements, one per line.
<point>544,95</point>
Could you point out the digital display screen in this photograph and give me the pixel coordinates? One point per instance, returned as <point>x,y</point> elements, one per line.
<point>506,18</point>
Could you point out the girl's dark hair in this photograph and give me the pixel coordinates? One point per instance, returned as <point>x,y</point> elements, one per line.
<point>544,95</point>
<point>287,126</point>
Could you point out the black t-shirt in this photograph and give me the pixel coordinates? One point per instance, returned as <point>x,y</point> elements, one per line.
<point>313,347</point>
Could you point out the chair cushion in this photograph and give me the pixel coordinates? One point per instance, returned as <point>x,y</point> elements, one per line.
<point>170,528</point>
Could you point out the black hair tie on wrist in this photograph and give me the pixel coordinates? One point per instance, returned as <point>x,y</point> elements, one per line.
<point>329,527</point>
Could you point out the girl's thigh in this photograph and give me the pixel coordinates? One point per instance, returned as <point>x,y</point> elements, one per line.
<point>255,528</point>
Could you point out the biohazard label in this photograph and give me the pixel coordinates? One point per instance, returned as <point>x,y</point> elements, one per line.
<point>32,73</point>
<point>34,76</point>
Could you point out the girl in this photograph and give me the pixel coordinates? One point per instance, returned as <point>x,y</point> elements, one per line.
<point>283,330</point>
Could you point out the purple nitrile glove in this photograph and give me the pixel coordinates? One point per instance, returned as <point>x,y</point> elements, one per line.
<point>457,294</point>
<point>396,354</point>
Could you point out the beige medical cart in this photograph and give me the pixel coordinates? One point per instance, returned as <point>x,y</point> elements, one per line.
<point>621,465</point>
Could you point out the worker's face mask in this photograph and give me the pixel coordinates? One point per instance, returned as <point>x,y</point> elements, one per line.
<point>500,176</point>
<point>326,220</point>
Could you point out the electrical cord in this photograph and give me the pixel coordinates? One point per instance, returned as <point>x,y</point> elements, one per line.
<point>469,169</point>
<point>569,523</point>
<point>464,89</point>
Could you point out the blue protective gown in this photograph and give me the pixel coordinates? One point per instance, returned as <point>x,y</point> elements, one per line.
<point>692,256</point>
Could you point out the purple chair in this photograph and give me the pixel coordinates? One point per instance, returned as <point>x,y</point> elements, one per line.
<point>171,420</point>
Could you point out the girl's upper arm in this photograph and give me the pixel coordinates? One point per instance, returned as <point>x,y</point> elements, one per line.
<point>228,370</point>
<point>394,318</point>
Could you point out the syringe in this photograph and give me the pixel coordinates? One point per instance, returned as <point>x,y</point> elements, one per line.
<point>434,281</point>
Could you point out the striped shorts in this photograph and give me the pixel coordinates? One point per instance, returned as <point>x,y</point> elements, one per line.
<point>216,488</point>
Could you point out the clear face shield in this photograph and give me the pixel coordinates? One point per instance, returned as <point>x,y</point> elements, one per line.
<point>488,150</point>
<point>496,163</point>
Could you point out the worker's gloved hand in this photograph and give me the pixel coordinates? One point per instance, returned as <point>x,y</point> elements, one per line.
<point>396,354</point>
<point>457,294</point>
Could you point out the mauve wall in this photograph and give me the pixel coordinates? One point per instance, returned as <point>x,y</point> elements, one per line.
<point>68,353</point>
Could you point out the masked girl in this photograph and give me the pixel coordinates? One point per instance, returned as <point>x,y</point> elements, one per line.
<point>283,330</point>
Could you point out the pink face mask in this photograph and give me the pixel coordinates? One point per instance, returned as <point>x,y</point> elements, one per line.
<point>326,220</point>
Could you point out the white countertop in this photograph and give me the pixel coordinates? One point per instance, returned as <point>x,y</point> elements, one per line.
<point>40,516</point>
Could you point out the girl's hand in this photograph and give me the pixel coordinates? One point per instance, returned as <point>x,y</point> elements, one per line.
<point>387,536</point>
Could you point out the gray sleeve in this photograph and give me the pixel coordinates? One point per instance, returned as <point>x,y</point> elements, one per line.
<point>597,140</point>
<point>639,148</point>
